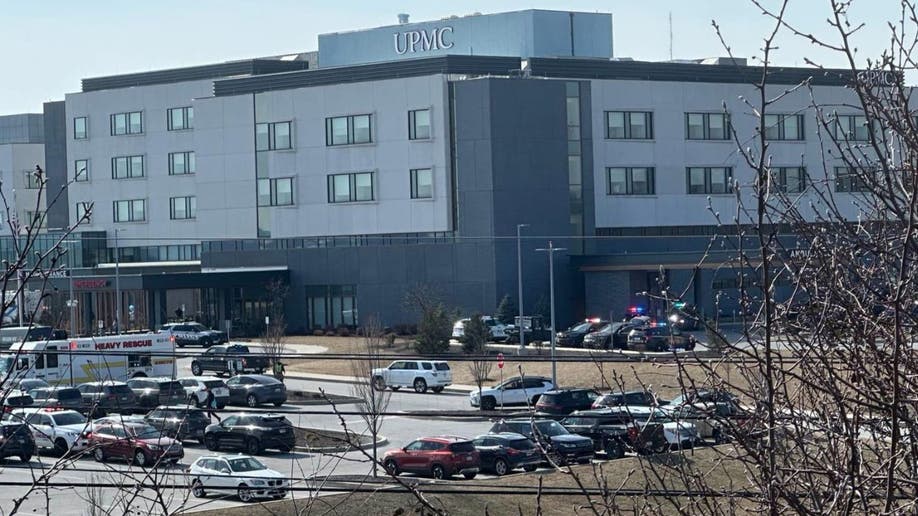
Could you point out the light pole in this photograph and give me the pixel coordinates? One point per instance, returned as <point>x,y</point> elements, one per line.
<point>551,250</point>
<point>117,286</point>
<point>519,280</point>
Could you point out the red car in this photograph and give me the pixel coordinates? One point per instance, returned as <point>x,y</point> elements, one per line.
<point>139,443</point>
<point>439,457</point>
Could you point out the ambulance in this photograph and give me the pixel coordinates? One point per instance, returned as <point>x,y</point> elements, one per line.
<point>91,359</point>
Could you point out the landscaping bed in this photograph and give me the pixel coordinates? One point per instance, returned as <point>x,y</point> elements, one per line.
<point>328,440</point>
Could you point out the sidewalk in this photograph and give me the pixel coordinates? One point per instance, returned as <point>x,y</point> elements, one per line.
<point>318,377</point>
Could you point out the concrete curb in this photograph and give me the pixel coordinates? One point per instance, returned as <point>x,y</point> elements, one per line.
<point>383,440</point>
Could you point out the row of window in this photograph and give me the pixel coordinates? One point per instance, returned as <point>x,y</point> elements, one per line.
<point>135,210</point>
<point>638,125</point>
<point>134,167</point>
<point>719,180</point>
<point>131,122</point>
<point>343,188</point>
<point>340,130</point>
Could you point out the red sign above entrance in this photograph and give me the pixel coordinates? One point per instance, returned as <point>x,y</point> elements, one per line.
<point>90,283</point>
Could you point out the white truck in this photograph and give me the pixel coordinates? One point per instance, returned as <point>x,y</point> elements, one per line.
<point>418,374</point>
<point>496,329</point>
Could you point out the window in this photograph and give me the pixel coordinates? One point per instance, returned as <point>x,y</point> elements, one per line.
<point>81,170</point>
<point>84,209</point>
<point>354,187</point>
<point>182,208</point>
<point>791,179</point>
<point>127,123</point>
<point>851,127</point>
<point>784,127</point>
<point>127,167</point>
<point>849,180</point>
<point>80,128</point>
<point>707,126</point>
<point>348,130</point>
<point>35,219</point>
<point>134,210</point>
<point>273,136</point>
<point>179,119</point>
<point>630,181</point>
<point>629,125</point>
<point>181,163</point>
<point>32,180</point>
<point>275,192</point>
<point>419,124</point>
<point>142,360</point>
<point>333,306</point>
<point>709,180</point>
<point>421,183</point>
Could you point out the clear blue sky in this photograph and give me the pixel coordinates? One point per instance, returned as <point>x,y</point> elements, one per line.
<point>49,45</point>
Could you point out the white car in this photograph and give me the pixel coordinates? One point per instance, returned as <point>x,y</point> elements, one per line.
<point>197,389</point>
<point>679,434</point>
<point>497,330</point>
<point>58,430</point>
<point>514,391</point>
<point>245,475</point>
<point>418,374</point>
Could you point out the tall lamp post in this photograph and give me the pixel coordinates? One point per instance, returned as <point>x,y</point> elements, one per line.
<point>519,280</point>
<point>117,286</point>
<point>551,250</point>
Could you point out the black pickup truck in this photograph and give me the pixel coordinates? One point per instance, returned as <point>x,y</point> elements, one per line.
<point>614,432</point>
<point>533,327</point>
<point>231,359</point>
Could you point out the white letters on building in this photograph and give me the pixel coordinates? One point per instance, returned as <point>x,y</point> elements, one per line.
<point>412,41</point>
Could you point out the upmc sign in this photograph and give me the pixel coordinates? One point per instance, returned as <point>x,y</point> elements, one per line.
<point>423,40</point>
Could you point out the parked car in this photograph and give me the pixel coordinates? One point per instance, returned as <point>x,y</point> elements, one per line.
<point>496,329</point>
<point>638,398</point>
<point>138,443</point>
<point>245,474</point>
<point>27,384</point>
<point>151,392</point>
<point>573,337</point>
<point>199,389</point>
<point>718,402</point>
<point>610,336</point>
<point>252,433</point>
<point>679,434</point>
<point>253,390</point>
<point>230,359</point>
<point>502,453</point>
<point>684,316</point>
<point>194,334</point>
<point>418,374</point>
<point>100,398</point>
<point>518,390</point>
<point>61,397</point>
<point>706,424</point>
<point>658,338</point>
<point>17,399</point>
<point>614,432</point>
<point>16,441</point>
<point>60,431</point>
<point>533,327</point>
<point>565,401</point>
<point>560,444</point>
<point>439,457</point>
<point>179,422</point>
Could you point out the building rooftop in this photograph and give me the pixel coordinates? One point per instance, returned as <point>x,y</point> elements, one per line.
<point>22,128</point>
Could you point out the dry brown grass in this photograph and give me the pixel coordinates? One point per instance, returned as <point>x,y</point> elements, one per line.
<point>664,378</point>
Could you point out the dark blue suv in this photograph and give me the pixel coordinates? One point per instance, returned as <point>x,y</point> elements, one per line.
<point>504,452</point>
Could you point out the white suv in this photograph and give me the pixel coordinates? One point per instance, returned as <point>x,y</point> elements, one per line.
<point>419,374</point>
<point>53,429</point>
<point>497,330</point>
<point>515,391</point>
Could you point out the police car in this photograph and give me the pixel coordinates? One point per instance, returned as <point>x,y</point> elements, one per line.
<point>194,334</point>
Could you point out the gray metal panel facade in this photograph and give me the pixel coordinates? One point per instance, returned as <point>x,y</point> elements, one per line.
<point>55,138</point>
<point>22,128</point>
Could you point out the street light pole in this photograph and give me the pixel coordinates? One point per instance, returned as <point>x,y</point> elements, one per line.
<point>551,250</point>
<point>519,279</point>
<point>117,286</point>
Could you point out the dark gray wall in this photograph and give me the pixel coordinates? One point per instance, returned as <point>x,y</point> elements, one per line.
<point>511,149</point>
<point>22,128</point>
<point>55,137</point>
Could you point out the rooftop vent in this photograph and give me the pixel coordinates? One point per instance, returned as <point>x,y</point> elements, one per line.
<point>735,61</point>
<point>402,18</point>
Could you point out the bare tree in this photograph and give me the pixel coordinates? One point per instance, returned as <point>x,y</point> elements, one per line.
<point>474,339</point>
<point>276,329</point>
<point>369,388</point>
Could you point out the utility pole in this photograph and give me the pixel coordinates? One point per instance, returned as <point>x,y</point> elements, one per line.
<point>551,250</point>
<point>519,279</point>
